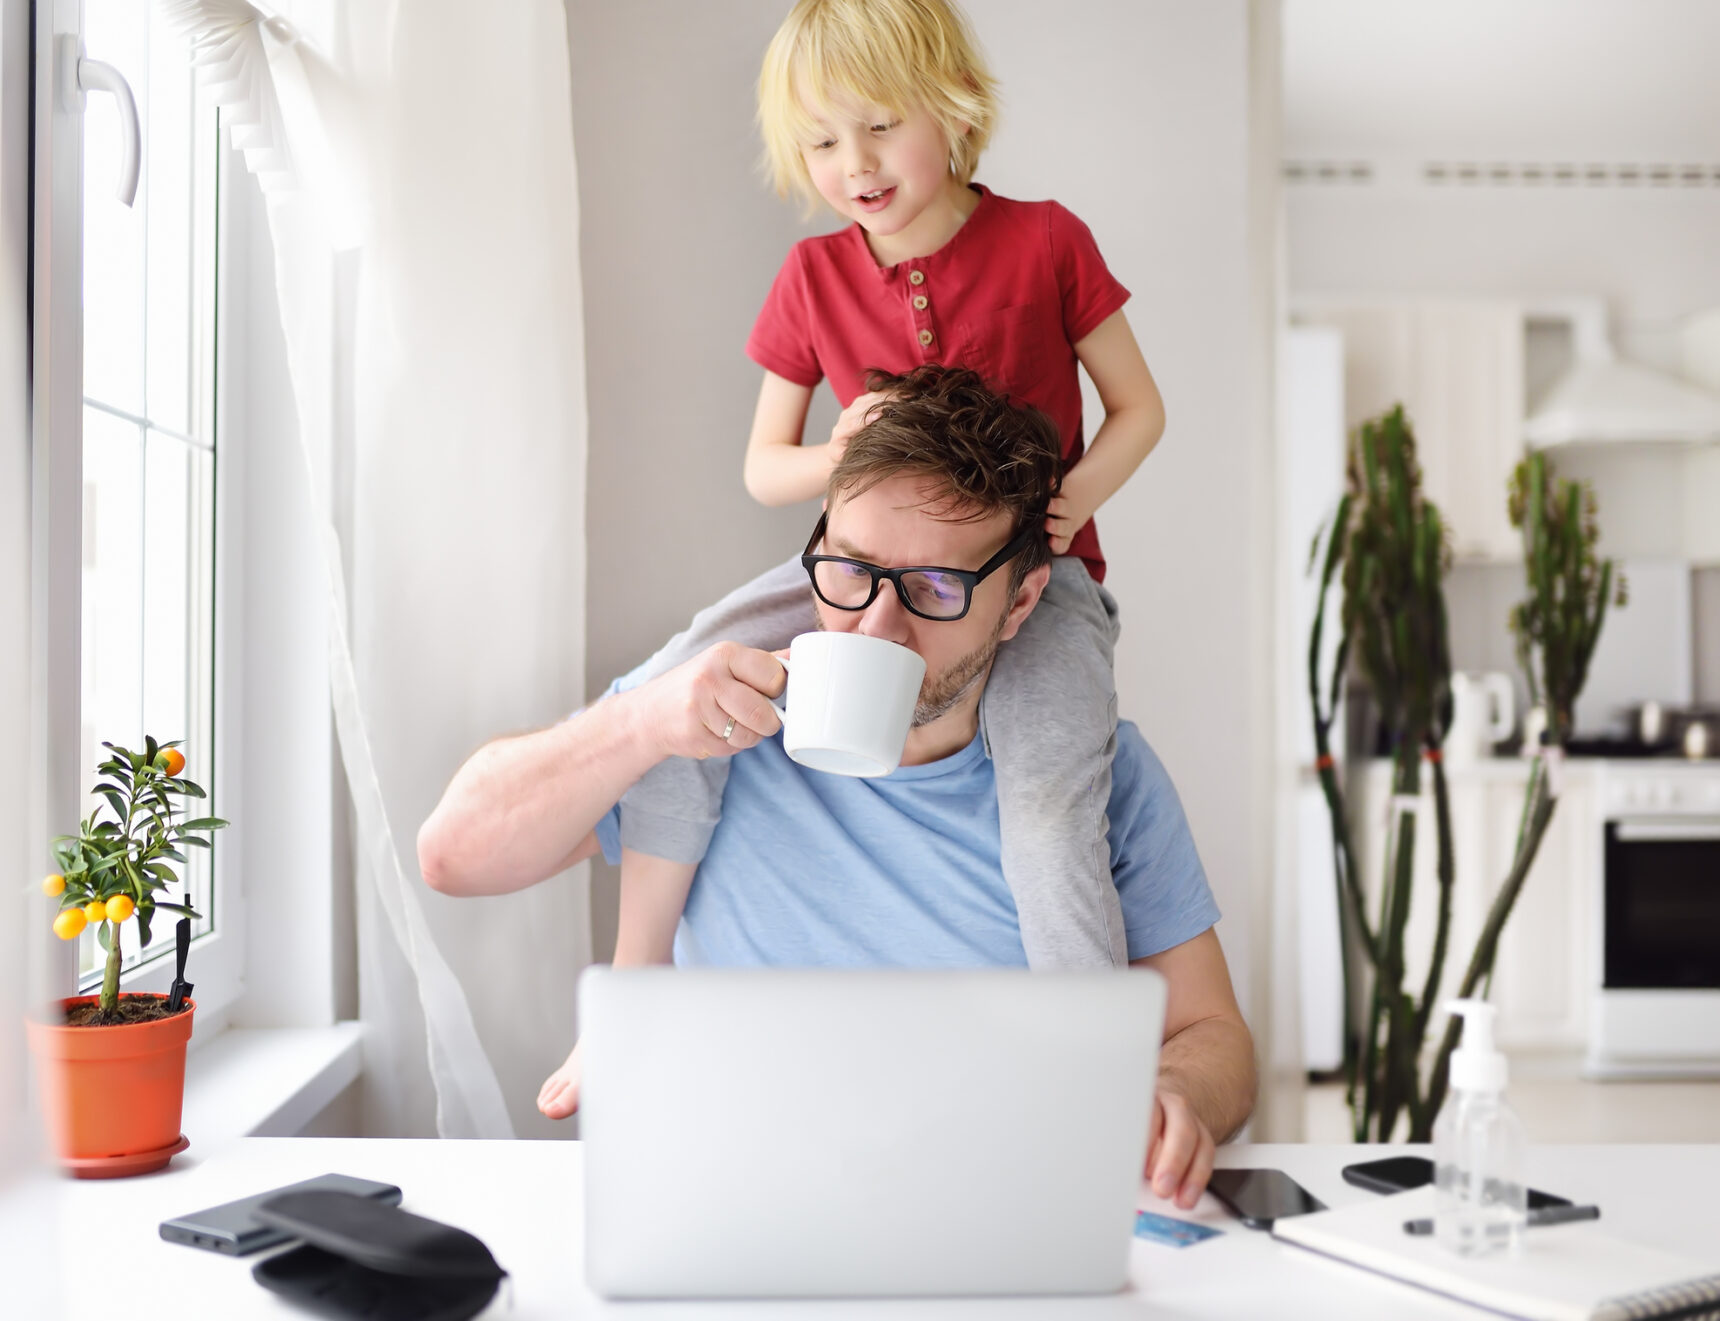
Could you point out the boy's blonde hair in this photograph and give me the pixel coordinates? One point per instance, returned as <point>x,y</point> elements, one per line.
<point>900,54</point>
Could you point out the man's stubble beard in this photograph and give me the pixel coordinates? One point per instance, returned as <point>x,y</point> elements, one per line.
<point>940,694</point>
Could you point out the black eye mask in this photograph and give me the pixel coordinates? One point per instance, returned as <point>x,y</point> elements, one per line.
<point>367,1262</point>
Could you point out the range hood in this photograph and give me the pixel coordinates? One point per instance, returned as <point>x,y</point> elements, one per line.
<point>1603,399</point>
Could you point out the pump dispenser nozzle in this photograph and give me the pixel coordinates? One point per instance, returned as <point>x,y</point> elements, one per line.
<point>1476,1065</point>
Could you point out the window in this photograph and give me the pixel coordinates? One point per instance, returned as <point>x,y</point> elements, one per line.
<point>149,448</point>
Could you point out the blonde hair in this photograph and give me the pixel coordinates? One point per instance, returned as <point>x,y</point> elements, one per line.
<point>899,54</point>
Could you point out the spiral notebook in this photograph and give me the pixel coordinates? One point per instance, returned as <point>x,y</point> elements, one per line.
<point>1576,1272</point>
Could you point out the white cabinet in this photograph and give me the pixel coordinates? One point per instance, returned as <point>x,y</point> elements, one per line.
<point>1456,365</point>
<point>1545,965</point>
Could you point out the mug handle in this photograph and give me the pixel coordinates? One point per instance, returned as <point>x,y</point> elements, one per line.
<point>781,708</point>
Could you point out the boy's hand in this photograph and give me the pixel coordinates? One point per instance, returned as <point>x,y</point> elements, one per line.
<point>852,419</point>
<point>1063,520</point>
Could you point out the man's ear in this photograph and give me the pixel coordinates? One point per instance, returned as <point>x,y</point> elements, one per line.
<point>1026,597</point>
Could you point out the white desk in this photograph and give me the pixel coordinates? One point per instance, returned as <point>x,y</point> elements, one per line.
<point>523,1200</point>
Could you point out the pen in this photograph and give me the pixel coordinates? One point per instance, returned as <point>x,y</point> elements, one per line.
<point>1546,1215</point>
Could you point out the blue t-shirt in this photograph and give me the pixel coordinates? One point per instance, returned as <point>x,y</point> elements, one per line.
<point>807,869</point>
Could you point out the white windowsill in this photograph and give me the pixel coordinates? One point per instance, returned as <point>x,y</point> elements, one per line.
<point>266,1082</point>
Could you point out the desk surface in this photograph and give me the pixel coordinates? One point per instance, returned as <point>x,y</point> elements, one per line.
<point>95,1244</point>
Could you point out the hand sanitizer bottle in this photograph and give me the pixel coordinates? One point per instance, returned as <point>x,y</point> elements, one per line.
<point>1478,1147</point>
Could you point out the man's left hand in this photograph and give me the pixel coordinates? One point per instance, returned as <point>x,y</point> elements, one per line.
<point>1179,1149</point>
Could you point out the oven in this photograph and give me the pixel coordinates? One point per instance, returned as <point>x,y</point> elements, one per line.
<point>1657,1009</point>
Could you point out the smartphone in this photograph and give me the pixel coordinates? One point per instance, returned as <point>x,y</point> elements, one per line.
<point>1396,1174</point>
<point>1258,1197</point>
<point>233,1227</point>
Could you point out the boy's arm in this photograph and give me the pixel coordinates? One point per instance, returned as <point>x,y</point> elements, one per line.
<point>779,469</point>
<point>1134,421</point>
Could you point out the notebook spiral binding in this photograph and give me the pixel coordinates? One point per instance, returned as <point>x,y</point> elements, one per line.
<point>1689,1300</point>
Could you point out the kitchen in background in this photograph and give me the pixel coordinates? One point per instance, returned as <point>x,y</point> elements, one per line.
<point>1512,235</point>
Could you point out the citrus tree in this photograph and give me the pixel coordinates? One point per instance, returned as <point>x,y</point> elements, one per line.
<point>113,868</point>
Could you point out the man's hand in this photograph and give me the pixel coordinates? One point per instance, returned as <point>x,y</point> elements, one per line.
<point>853,418</point>
<point>1179,1149</point>
<point>685,712</point>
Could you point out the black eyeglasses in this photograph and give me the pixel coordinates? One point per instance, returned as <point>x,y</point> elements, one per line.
<point>929,592</point>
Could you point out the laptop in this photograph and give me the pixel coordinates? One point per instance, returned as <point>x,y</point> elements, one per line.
<point>822,1133</point>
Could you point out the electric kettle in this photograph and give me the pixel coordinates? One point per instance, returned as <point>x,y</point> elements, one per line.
<point>1483,712</point>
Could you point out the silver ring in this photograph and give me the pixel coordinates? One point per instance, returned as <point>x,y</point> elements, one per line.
<point>728,729</point>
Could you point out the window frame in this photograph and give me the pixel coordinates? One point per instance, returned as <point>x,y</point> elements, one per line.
<point>218,957</point>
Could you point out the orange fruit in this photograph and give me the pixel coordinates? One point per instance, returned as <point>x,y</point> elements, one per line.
<point>95,911</point>
<point>170,760</point>
<point>119,908</point>
<point>69,923</point>
<point>54,885</point>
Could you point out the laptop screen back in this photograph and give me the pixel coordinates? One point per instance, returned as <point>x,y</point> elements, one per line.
<point>764,1133</point>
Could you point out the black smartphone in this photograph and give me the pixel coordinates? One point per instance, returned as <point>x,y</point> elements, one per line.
<point>1396,1174</point>
<point>1258,1197</point>
<point>233,1227</point>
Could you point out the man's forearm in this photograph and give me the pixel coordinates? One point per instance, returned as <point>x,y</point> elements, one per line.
<point>518,811</point>
<point>1211,1064</point>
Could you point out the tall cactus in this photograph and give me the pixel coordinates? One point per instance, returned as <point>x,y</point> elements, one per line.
<point>1556,627</point>
<point>1387,545</point>
<point>1390,544</point>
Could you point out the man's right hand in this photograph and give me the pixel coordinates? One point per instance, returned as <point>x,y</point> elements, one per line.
<point>684,711</point>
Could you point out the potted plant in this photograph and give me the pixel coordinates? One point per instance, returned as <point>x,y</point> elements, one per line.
<point>1387,547</point>
<point>112,1066</point>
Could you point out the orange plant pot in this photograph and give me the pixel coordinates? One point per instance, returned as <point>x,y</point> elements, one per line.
<point>113,1096</point>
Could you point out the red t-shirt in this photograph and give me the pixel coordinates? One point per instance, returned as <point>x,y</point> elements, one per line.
<point>1010,295</point>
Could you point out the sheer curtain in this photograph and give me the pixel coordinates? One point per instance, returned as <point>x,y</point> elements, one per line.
<point>417,161</point>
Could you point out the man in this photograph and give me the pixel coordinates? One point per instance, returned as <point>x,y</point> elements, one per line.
<point>808,869</point>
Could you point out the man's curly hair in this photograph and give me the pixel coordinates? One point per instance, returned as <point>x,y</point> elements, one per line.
<point>979,452</point>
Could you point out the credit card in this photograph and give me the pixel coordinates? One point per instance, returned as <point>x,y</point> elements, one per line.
<point>1171,1231</point>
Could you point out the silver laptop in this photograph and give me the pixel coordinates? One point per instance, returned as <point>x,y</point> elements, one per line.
<point>753,1134</point>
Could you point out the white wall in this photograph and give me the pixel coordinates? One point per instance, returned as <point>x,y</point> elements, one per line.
<point>1135,115</point>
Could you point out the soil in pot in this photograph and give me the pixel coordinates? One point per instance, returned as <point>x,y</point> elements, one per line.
<point>131,1009</point>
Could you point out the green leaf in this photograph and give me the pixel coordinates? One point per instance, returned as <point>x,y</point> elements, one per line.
<point>102,935</point>
<point>186,909</point>
<point>149,748</point>
<point>143,916</point>
<point>201,823</point>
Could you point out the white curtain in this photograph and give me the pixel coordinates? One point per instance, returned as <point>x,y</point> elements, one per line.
<point>417,160</point>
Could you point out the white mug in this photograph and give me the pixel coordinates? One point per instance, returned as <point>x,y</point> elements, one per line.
<point>850,702</point>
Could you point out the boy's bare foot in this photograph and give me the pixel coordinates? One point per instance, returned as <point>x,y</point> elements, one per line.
<point>559,1096</point>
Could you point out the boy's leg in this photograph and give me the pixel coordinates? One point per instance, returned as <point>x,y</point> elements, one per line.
<point>1050,721</point>
<point>673,809</point>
